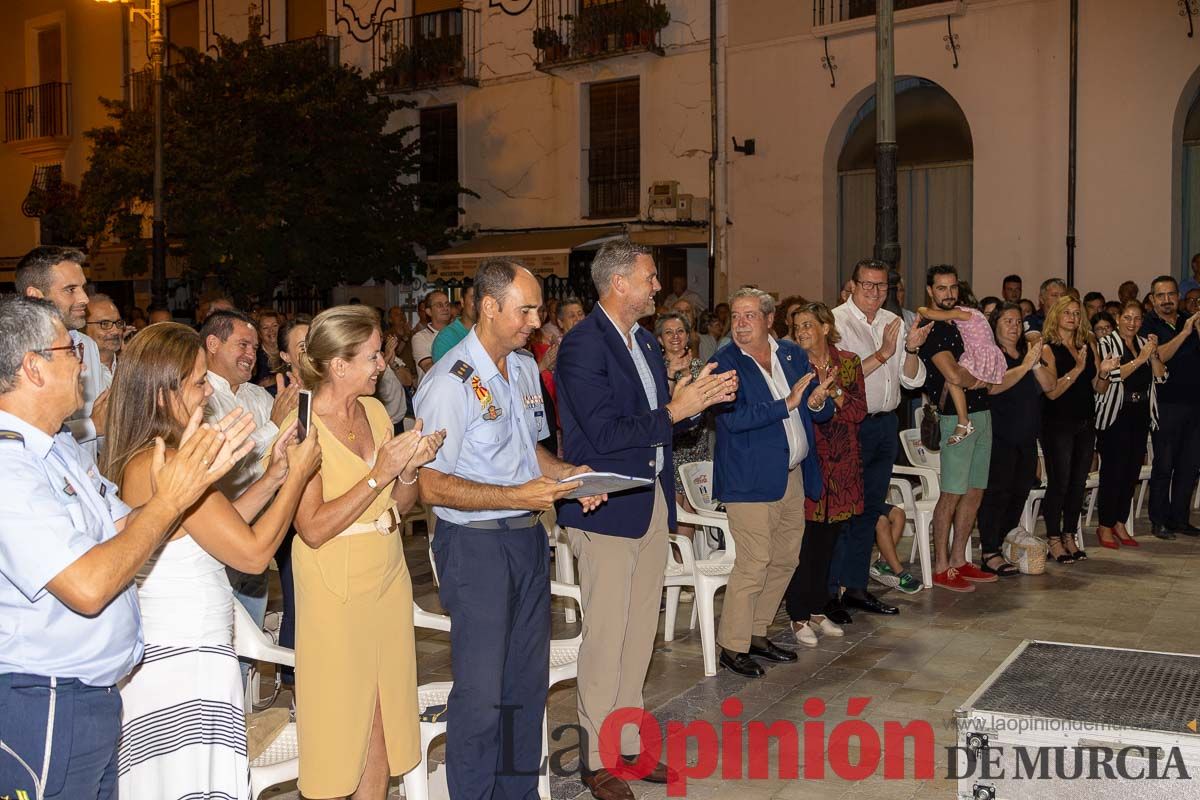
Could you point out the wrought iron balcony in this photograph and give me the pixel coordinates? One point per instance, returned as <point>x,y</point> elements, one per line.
<point>332,46</point>
<point>830,12</point>
<point>427,50</point>
<point>140,86</point>
<point>613,181</point>
<point>570,31</point>
<point>37,112</point>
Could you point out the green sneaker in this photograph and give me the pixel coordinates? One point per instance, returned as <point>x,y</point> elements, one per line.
<point>908,584</point>
<point>882,573</point>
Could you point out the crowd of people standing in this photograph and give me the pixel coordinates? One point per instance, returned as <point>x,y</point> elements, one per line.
<point>157,468</point>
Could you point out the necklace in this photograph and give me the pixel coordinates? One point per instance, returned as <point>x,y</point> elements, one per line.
<point>349,428</point>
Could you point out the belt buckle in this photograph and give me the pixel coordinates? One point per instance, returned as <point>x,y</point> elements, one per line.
<point>387,528</point>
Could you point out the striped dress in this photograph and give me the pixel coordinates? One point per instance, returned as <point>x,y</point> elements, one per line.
<point>183,733</point>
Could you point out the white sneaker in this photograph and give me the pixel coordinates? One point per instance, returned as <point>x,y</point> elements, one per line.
<point>826,626</point>
<point>804,633</point>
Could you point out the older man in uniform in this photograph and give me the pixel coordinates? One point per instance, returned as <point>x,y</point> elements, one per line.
<point>488,486</point>
<point>69,549</point>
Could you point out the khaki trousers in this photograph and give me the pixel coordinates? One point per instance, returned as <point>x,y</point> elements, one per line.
<point>621,582</point>
<point>767,537</point>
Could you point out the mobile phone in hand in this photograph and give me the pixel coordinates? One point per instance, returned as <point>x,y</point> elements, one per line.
<point>303,413</point>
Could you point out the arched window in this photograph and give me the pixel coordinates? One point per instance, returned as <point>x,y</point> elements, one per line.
<point>934,185</point>
<point>1191,188</point>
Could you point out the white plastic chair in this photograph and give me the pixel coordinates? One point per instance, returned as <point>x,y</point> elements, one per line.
<point>280,762</point>
<point>918,505</point>
<point>704,575</point>
<point>564,564</point>
<point>564,665</point>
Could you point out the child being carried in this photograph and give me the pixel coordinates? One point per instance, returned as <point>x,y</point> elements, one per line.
<point>981,357</point>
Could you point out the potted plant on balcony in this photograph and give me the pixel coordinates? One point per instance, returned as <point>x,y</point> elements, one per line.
<point>396,69</point>
<point>586,34</point>
<point>550,43</point>
<point>656,17</point>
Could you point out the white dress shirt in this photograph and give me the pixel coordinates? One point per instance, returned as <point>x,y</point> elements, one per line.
<point>80,422</point>
<point>864,338</point>
<point>422,345</point>
<point>390,392</point>
<point>106,374</point>
<point>793,426</point>
<point>258,401</point>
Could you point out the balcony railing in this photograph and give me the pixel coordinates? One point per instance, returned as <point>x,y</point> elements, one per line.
<point>614,180</point>
<point>582,30</point>
<point>829,12</point>
<point>428,50</point>
<point>141,86</point>
<point>37,112</point>
<point>332,46</point>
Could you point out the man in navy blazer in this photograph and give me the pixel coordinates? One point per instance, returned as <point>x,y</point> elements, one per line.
<point>618,416</point>
<point>764,465</point>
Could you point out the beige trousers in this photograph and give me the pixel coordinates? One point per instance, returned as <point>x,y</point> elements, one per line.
<point>621,581</point>
<point>767,537</point>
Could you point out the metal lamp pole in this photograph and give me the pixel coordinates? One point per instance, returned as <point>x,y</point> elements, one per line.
<point>152,16</point>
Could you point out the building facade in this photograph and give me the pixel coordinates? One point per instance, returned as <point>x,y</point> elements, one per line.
<point>576,120</point>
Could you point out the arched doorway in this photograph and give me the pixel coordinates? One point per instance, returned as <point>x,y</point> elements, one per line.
<point>1191,188</point>
<point>934,185</point>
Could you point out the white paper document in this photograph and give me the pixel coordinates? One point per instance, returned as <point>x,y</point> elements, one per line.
<point>604,483</point>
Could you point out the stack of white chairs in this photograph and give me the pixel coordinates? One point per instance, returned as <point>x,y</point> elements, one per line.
<point>705,576</point>
<point>280,762</point>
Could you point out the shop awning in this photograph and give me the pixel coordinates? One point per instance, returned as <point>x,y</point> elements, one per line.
<point>544,252</point>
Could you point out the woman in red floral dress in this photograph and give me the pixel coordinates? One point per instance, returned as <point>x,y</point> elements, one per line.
<point>812,327</point>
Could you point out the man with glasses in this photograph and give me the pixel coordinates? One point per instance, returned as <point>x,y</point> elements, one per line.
<point>1177,439</point>
<point>873,333</point>
<point>107,330</point>
<point>69,549</point>
<point>56,274</point>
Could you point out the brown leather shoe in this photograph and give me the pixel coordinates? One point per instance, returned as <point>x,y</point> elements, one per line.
<point>660,774</point>
<point>605,786</point>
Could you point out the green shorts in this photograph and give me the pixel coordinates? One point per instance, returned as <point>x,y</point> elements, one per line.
<point>965,465</point>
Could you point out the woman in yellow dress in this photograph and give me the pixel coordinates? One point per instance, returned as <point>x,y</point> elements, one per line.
<point>356,670</point>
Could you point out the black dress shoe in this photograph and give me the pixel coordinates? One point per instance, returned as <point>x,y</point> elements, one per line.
<point>1186,529</point>
<point>862,599</point>
<point>1161,532</point>
<point>837,613</point>
<point>771,652</point>
<point>741,663</point>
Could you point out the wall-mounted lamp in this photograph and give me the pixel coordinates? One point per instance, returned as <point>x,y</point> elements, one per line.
<point>745,148</point>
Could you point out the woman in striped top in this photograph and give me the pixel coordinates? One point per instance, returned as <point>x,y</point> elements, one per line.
<point>1125,414</point>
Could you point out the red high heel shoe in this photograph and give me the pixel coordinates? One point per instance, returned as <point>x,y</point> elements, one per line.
<point>1112,544</point>
<point>1130,542</point>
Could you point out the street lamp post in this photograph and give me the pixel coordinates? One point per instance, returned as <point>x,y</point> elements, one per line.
<point>158,52</point>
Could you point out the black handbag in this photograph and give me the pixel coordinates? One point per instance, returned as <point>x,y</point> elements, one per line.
<point>931,429</point>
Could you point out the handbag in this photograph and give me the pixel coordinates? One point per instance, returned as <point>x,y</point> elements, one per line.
<point>931,429</point>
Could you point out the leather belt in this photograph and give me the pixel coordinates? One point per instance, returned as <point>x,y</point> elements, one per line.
<point>879,414</point>
<point>387,523</point>
<point>503,523</point>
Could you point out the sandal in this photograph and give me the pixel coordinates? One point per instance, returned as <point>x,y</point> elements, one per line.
<point>1061,555</point>
<point>967,429</point>
<point>1073,550</point>
<point>1004,570</point>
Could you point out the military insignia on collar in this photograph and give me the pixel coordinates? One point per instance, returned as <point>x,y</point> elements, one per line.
<point>462,370</point>
<point>68,488</point>
<point>11,436</point>
<point>493,413</point>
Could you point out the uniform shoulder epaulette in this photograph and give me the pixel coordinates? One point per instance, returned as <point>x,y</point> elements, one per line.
<point>462,370</point>
<point>11,436</point>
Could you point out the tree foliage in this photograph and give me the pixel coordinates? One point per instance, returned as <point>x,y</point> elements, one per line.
<point>278,164</point>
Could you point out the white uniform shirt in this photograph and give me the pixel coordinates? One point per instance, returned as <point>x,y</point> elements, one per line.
<point>258,402</point>
<point>422,345</point>
<point>864,338</point>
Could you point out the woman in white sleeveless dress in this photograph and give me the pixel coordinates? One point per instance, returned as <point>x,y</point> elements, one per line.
<point>183,729</point>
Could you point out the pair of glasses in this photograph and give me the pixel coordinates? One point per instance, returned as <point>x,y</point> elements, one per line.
<point>77,349</point>
<point>109,324</point>
<point>870,287</point>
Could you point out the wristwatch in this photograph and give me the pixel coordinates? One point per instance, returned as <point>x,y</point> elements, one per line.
<point>836,392</point>
<point>912,352</point>
<point>374,484</point>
